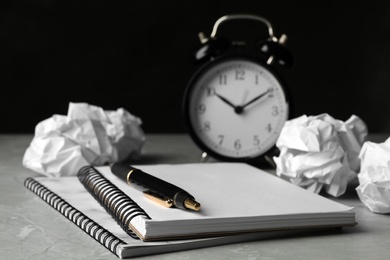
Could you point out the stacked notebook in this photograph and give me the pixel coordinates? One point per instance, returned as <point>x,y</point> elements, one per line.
<point>239,203</point>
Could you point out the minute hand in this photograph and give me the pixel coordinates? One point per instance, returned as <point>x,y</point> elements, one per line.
<point>255,99</point>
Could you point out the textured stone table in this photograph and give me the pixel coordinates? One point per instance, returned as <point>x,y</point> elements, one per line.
<point>30,229</point>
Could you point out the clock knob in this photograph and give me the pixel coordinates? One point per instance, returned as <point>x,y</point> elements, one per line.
<point>276,51</point>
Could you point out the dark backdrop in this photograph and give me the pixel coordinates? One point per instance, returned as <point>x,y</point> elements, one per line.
<point>136,55</point>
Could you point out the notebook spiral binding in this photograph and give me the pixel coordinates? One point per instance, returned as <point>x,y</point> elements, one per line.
<point>100,234</point>
<point>120,206</point>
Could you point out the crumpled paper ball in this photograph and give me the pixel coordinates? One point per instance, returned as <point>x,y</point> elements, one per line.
<point>320,152</point>
<point>88,135</point>
<point>374,176</point>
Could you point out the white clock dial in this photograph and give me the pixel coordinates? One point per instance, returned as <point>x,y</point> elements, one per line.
<point>237,108</point>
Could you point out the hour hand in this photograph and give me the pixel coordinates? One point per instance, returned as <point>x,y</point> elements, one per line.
<point>225,100</point>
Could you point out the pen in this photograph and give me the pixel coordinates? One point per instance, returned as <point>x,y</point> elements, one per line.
<point>160,191</point>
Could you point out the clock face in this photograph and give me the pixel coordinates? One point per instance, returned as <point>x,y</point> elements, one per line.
<point>236,109</point>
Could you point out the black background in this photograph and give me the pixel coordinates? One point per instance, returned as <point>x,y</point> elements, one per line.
<point>137,55</point>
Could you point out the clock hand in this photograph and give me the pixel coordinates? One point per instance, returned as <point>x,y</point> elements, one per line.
<point>240,109</point>
<point>225,100</point>
<point>255,99</point>
<point>237,109</point>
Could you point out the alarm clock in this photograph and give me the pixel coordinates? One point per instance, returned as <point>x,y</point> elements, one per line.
<point>236,103</point>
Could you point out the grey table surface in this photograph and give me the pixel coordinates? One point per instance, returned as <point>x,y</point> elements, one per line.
<point>30,229</point>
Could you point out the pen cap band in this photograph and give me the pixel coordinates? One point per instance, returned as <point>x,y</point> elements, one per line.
<point>122,171</point>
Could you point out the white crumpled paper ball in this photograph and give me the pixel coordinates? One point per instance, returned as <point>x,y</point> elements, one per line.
<point>374,176</point>
<point>320,152</point>
<point>87,135</point>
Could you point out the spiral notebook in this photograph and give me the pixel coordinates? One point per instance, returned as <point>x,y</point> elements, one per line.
<point>238,200</point>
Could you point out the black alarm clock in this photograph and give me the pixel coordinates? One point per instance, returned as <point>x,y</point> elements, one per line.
<point>236,103</point>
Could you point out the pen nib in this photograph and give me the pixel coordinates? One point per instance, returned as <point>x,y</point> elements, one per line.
<point>192,204</point>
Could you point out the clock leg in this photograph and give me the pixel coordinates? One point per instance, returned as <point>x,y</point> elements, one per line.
<point>204,157</point>
<point>266,161</point>
<point>271,162</point>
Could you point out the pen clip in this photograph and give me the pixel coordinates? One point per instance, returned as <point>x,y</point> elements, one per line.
<point>160,199</point>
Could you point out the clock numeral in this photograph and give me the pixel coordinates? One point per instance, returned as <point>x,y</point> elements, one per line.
<point>256,79</point>
<point>222,79</point>
<point>271,93</point>
<point>275,111</point>
<point>269,128</point>
<point>237,144</point>
<point>240,74</point>
<point>256,140</point>
<point>210,92</point>
<point>201,108</point>
<point>206,126</point>
<point>221,137</point>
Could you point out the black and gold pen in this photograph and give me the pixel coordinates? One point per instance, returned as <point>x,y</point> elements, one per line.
<point>160,191</point>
